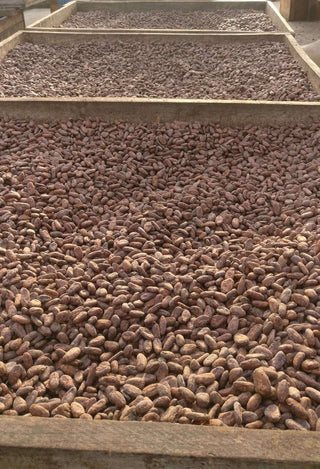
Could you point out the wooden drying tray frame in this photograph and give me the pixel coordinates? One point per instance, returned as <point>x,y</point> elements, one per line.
<point>54,20</point>
<point>34,443</point>
<point>227,112</point>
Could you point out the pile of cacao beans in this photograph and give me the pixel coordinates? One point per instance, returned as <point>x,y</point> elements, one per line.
<point>160,272</point>
<point>255,70</point>
<point>219,20</point>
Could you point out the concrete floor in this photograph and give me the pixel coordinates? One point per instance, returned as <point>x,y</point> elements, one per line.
<point>306,31</point>
<point>35,14</point>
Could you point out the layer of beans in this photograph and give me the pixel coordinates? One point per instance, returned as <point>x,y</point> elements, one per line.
<point>160,272</point>
<point>219,20</point>
<point>264,71</point>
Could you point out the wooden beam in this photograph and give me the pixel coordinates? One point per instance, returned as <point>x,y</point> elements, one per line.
<point>33,443</point>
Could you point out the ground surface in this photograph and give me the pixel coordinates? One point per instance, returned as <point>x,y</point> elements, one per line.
<point>306,31</point>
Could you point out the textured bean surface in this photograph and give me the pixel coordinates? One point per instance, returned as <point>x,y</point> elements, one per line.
<point>264,71</point>
<point>160,273</point>
<point>220,20</point>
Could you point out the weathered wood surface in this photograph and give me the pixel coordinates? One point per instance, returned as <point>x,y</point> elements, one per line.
<point>38,443</point>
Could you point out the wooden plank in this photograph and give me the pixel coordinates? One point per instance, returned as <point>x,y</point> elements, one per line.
<point>227,112</point>
<point>40,37</point>
<point>34,443</point>
<point>8,44</point>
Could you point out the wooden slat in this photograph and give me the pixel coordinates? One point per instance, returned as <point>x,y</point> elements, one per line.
<point>42,443</point>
